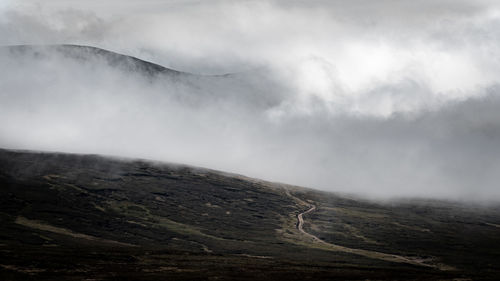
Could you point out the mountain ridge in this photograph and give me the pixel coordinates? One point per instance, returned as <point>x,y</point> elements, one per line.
<point>85,52</point>
<point>130,218</point>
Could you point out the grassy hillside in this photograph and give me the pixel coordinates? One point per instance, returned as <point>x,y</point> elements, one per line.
<point>85,216</point>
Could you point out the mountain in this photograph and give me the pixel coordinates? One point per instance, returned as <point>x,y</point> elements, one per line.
<point>83,217</point>
<point>73,69</point>
<point>87,53</point>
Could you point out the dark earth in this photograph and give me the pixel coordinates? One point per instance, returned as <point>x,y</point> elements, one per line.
<point>89,217</point>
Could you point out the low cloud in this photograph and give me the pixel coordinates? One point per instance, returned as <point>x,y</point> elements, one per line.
<point>383,99</point>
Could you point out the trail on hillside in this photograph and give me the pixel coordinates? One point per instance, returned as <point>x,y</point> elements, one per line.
<point>361,252</point>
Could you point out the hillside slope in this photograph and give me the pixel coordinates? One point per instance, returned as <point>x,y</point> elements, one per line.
<point>86,53</point>
<point>84,216</point>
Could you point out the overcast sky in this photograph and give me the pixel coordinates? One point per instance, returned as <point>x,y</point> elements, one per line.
<point>381,98</point>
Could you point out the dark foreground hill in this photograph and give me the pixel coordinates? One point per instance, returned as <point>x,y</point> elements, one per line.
<point>87,217</point>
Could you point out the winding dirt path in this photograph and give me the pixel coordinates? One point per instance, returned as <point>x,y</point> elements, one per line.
<point>300,224</point>
<point>360,252</point>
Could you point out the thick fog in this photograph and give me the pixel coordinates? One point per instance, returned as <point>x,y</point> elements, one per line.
<point>380,98</point>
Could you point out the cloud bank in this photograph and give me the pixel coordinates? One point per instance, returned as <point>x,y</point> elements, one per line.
<point>384,99</point>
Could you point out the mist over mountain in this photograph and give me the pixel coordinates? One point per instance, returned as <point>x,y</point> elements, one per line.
<point>84,99</point>
<point>249,140</point>
<point>384,99</point>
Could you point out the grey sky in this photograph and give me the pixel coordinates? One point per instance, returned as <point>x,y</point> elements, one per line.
<point>383,98</point>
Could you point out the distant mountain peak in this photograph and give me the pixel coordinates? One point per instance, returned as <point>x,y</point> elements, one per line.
<point>83,52</point>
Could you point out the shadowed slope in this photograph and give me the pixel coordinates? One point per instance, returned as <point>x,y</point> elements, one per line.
<point>74,216</point>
